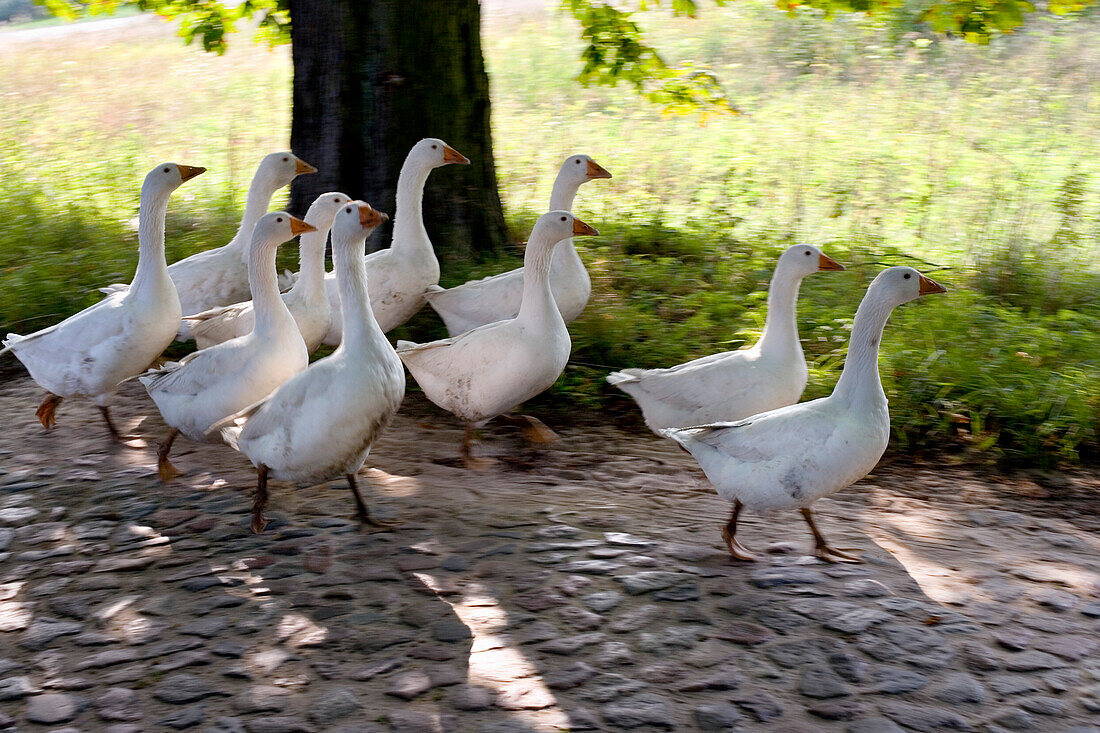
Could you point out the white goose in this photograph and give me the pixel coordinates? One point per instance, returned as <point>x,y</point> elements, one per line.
<point>497,297</point>
<point>91,352</point>
<point>306,301</point>
<point>321,423</point>
<point>793,456</point>
<point>219,276</point>
<point>400,275</point>
<point>491,369</point>
<point>735,384</point>
<point>207,385</point>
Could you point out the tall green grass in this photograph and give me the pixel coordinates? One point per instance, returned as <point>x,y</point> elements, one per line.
<point>975,164</point>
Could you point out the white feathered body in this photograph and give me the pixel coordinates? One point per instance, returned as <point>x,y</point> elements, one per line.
<point>720,387</point>
<point>91,352</point>
<point>217,325</point>
<point>489,370</point>
<point>790,457</point>
<point>397,283</point>
<point>321,423</point>
<point>498,297</point>
<point>208,385</point>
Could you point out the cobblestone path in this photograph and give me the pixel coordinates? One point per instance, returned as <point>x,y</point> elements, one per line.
<point>583,588</point>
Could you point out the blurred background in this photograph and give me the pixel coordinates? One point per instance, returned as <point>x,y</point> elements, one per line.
<point>876,139</point>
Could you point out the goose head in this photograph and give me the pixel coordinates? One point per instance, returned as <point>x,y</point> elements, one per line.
<point>433,153</point>
<point>806,259</point>
<point>554,226</point>
<point>323,210</point>
<point>167,177</point>
<point>279,169</point>
<point>578,169</point>
<point>356,220</point>
<point>897,285</point>
<point>277,227</point>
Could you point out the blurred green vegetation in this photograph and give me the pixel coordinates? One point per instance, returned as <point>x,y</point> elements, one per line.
<point>877,141</point>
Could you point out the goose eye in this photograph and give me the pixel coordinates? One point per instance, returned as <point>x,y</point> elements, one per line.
<point>578,162</point>
<point>907,276</point>
<point>286,160</point>
<point>348,209</point>
<point>279,220</point>
<point>435,147</point>
<point>563,218</point>
<point>807,253</point>
<point>166,170</point>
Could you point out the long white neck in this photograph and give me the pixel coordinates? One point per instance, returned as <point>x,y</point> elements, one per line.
<point>362,334</point>
<point>311,264</point>
<point>859,382</point>
<point>152,270</point>
<point>410,238</point>
<point>256,205</point>
<point>781,324</point>
<point>271,312</point>
<point>538,300</point>
<point>566,260</point>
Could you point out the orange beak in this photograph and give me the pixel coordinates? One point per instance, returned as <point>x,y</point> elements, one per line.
<point>369,217</point>
<point>825,262</point>
<point>595,170</point>
<point>187,172</point>
<point>581,229</point>
<point>301,167</point>
<point>297,226</point>
<point>928,286</point>
<point>450,155</point>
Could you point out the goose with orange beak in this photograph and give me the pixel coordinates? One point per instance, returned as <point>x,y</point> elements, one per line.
<point>219,276</point>
<point>485,372</point>
<point>210,384</point>
<point>321,424</point>
<point>400,274</point>
<point>89,354</point>
<point>495,298</point>
<point>735,384</point>
<point>791,457</point>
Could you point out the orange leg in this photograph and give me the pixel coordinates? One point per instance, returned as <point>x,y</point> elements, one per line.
<point>46,410</point>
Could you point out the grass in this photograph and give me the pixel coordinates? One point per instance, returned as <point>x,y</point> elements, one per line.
<point>974,164</point>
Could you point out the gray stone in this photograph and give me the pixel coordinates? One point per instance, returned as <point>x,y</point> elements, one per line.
<point>613,654</point>
<point>837,710</point>
<point>849,666</point>
<point>760,705</point>
<point>959,688</point>
<point>470,697</point>
<point>650,580</point>
<point>1043,705</point>
<point>41,633</point>
<point>1015,720</point>
<point>278,725</point>
<point>571,644</point>
<point>579,618</point>
<point>450,630</point>
<point>603,601</point>
<point>415,721</point>
<point>261,699</point>
<point>1031,661</point>
<point>1011,684</point>
<point>333,705</point>
<point>108,658</point>
<point>875,725</point>
<point>770,577</point>
<point>922,717</point>
<point>818,681</point>
<point>643,709</point>
<point>897,680</point>
<point>857,621</point>
<point>635,619</point>
<point>53,707</point>
<point>409,685</point>
<point>119,703</point>
<point>189,717</point>
<point>179,689</point>
<point>373,670</point>
<point>207,627</point>
<point>572,676</point>
<point>717,717</point>
<point>14,688</point>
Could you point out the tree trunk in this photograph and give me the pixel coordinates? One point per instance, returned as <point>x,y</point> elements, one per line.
<point>373,78</point>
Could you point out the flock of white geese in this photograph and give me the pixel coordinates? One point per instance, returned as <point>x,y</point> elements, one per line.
<point>250,383</point>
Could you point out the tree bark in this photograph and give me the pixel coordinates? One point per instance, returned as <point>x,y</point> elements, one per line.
<point>370,80</point>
